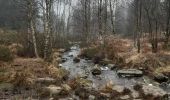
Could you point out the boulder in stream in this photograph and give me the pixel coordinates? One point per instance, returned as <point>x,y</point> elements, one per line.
<point>130,73</point>
<point>76,60</point>
<point>160,78</point>
<point>96,70</point>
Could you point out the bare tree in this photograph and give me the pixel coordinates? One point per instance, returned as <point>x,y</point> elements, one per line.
<point>31,20</point>
<point>48,8</point>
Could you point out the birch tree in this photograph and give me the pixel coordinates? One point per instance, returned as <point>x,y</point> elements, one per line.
<point>48,8</point>
<point>31,19</point>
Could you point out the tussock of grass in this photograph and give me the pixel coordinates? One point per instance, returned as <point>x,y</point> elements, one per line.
<point>58,73</point>
<point>164,70</point>
<point>23,78</point>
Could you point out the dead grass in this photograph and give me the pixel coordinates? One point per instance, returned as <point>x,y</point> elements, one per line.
<point>163,70</point>
<point>122,52</point>
<point>24,71</point>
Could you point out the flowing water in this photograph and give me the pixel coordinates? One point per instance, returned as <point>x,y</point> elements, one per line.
<point>84,67</point>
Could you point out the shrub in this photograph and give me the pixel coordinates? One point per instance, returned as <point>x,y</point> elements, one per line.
<point>90,52</point>
<point>5,54</point>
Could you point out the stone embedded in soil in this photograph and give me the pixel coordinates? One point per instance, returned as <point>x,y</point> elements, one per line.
<point>55,90</point>
<point>76,60</point>
<point>160,78</point>
<point>130,73</point>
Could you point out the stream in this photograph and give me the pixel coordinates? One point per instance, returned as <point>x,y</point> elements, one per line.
<point>84,67</point>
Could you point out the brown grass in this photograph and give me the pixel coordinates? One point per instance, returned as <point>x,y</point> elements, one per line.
<point>24,71</point>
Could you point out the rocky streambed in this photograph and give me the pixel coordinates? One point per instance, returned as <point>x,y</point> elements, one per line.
<point>118,79</point>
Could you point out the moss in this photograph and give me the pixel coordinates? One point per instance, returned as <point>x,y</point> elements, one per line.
<point>5,54</point>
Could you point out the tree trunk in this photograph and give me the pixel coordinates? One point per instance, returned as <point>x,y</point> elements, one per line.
<point>31,25</point>
<point>100,17</point>
<point>112,19</point>
<point>34,39</point>
<point>47,28</point>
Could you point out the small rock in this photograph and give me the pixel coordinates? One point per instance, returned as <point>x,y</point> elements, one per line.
<point>55,90</point>
<point>107,95</point>
<point>111,66</point>
<point>60,65</point>
<point>160,78</point>
<point>126,97</point>
<point>76,60</point>
<point>135,94</point>
<point>91,97</point>
<point>59,60</point>
<point>70,55</point>
<point>118,88</point>
<point>104,68</point>
<point>84,76</point>
<point>96,70</point>
<point>64,60</point>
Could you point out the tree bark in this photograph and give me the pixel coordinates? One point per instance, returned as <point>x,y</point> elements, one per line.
<point>31,25</point>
